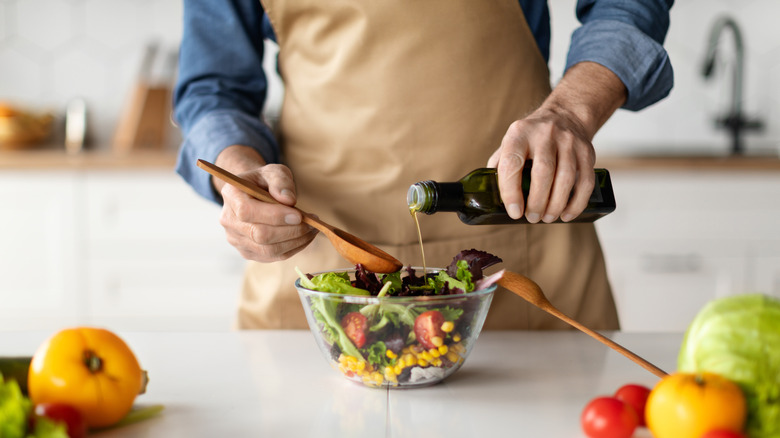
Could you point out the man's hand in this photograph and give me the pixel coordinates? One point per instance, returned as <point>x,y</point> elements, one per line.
<point>557,137</point>
<point>258,230</point>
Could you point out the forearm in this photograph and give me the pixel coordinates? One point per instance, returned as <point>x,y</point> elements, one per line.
<point>588,94</point>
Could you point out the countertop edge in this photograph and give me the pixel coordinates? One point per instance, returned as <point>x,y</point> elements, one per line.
<point>47,159</point>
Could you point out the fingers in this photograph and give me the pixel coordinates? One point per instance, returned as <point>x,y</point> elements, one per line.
<point>509,161</point>
<point>562,176</point>
<point>262,231</point>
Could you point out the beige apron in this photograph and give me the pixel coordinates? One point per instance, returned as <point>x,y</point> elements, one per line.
<point>382,94</point>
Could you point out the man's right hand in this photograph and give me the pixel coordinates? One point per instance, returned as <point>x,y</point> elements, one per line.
<point>261,231</point>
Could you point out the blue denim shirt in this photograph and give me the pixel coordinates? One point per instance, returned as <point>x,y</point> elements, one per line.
<point>221,88</point>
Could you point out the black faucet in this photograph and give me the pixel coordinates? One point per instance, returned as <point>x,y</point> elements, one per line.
<point>735,122</point>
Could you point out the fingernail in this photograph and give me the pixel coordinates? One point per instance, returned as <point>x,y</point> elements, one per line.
<point>514,211</point>
<point>288,194</point>
<point>548,218</point>
<point>567,217</point>
<point>292,219</point>
<point>532,217</point>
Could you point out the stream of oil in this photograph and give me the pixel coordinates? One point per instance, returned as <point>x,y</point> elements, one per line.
<point>419,238</point>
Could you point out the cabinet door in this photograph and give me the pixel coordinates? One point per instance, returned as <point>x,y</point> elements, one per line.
<point>158,257</point>
<point>40,281</point>
<point>679,239</point>
<point>660,286</point>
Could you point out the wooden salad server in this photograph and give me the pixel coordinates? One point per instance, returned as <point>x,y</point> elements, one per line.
<point>531,292</point>
<point>352,248</point>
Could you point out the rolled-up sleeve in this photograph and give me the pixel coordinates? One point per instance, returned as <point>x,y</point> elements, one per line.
<point>627,38</point>
<point>221,86</point>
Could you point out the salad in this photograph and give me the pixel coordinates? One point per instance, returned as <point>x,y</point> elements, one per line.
<point>400,329</point>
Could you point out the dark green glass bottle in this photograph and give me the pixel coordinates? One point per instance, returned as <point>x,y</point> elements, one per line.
<point>477,201</point>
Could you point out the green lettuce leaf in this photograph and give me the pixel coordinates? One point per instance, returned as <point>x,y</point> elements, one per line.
<point>14,410</point>
<point>336,283</point>
<point>738,337</point>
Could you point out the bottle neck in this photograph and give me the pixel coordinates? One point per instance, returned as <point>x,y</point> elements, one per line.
<point>431,196</point>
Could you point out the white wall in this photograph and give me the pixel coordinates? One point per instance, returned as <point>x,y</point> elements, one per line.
<point>54,50</point>
<point>684,121</point>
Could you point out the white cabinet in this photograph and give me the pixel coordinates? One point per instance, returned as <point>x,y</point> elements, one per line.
<point>681,238</point>
<point>39,250</point>
<point>128,249</point>
<point>159,258</point>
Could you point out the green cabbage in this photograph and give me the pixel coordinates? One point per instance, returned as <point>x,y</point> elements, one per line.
<point>738,337</point>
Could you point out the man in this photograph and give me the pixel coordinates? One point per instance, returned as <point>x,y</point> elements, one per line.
<point>379,95</point>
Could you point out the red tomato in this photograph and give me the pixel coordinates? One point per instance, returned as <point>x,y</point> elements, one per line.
<point>636,396</point>
<point>723,434</point>
<point>75,423</point>
<point>427,328</point>
<point>355,325</point>
<point>608,417</point>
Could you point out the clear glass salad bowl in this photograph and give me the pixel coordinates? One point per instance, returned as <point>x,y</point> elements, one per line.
<point>392,341</point>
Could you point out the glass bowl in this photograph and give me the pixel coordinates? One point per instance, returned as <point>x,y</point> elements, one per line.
<point>400,342</point>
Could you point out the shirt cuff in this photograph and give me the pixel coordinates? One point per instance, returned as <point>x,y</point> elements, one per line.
<point>211,135</point>
<point>638,60</point>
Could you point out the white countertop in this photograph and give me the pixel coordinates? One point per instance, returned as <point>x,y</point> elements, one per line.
<point>278,384</point>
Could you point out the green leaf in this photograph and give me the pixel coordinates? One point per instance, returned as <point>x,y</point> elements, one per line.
<point>14,410</point>
<point>738,337</point>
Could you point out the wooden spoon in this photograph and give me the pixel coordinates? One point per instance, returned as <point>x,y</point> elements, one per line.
<point>355,250</point>
<point>531,292</point>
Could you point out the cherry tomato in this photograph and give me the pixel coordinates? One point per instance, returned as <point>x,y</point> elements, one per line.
<point>723,434</point>
<point>74,422</point>
<point>636,396</point>
<point>355,325</point>
<point>609,417</point>
<point>91,369</point>
<point>427,327</point>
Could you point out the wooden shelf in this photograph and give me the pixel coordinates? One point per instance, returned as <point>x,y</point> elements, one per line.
<point>58,159</point>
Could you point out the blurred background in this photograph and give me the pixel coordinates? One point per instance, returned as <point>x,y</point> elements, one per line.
<point>95,226</point>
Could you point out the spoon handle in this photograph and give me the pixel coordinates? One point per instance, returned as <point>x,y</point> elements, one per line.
<point>530,291</point>
<point>608,342</point>
<point>245,185</point>
<point>252,189</point>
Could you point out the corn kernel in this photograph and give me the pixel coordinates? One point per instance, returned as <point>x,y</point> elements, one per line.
<point>426,356</point>
<point>436,362</point>
<point>390,354</point>
<point>361,365</point>
<point>405,350</point>
<point>456,337</point>
<point>443,349</point>
<point>434,352</point>
<point>447,326</point>
<point>398,369</point>
<point>453,356</point>
<point>409,360</point>
<point>437,341</point>
<point>422,362</point>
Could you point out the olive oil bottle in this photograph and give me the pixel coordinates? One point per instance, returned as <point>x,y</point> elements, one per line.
<point>477,201</point>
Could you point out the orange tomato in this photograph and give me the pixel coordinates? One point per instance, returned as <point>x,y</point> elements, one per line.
<point>91,369</point>
<point>688,405</point>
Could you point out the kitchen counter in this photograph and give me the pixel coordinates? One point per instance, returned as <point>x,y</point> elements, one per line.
<point>278,384</point>
<point>695,163</point>
<point>57,158</point>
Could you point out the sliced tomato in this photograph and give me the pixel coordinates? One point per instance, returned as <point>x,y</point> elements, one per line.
<point>427,328</point>
<point>355,324</point>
